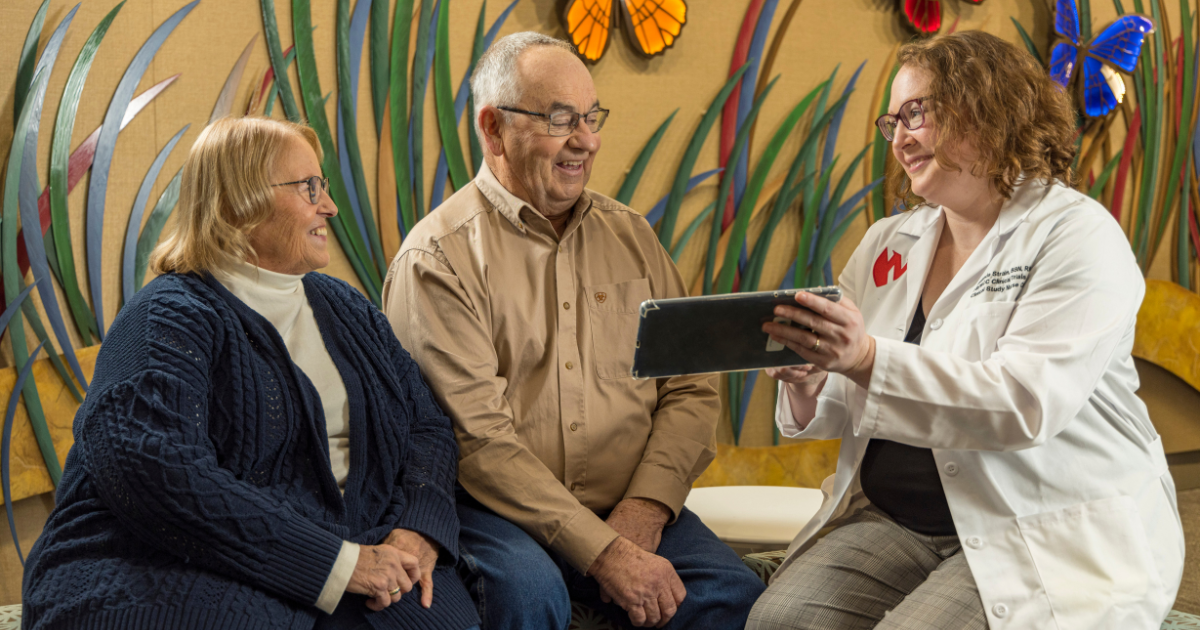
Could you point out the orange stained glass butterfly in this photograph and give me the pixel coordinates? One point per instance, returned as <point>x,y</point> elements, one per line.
<point>651,26</point>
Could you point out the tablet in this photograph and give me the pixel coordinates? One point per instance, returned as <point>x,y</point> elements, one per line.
<point>714,333</point>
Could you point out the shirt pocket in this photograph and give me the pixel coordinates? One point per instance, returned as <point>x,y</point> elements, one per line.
<point>979,328</point>
<point>1094,561</point>
<point>613,314</point>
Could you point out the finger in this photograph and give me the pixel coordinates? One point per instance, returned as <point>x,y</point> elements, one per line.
<point>666,606</point>
<point>805,351</point>
<point>379,602</point>
<point>678,591</point>
<point>653,615</point>
<point>604,596</point>
<point>413,574</point>
<point>637,616</point>
<point>803,317</point>
<point>427,589</point>
<point>781,332</point>
<point>836,312</point>
<point>803,339</point>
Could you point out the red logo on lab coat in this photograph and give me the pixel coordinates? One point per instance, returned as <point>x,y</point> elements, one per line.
<point>885,267</point>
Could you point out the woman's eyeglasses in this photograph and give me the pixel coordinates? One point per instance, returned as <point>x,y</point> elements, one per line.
<point>912,114</point>
<point>316,186</point>
<point>563,123</point>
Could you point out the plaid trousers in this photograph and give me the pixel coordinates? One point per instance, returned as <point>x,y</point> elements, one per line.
<point>871,572</point>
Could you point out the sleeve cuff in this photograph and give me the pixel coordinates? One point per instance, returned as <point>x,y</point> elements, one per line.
<point>430,513</point>
<point>583,538</point>
<point>866,422</point>
<point>299,563</point>
<point>339,577</point>
<point>657,483</point>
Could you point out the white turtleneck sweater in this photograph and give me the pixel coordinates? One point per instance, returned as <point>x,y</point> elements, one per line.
<point>280,299</point>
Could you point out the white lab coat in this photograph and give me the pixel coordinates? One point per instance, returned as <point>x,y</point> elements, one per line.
<point>1023,387</point>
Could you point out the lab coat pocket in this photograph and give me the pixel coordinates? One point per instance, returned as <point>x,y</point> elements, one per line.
<point>1094,561</point>
<point>613,313</point>
<point>979,329</point>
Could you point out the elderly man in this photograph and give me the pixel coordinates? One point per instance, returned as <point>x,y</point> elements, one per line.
<point>519,299</point>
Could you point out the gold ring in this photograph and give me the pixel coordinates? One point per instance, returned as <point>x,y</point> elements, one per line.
<point>394,591</point>
<point>816,345</point>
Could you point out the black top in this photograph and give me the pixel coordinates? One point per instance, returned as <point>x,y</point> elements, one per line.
<point>903,480</point>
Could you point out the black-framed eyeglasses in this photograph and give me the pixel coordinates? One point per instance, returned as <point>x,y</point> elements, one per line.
<point>912,114</point>
<point>563,123</point>
<point>316,186</point>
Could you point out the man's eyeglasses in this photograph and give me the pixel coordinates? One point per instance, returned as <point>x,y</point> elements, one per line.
<point>316,186</point>
<point>912,114</point>
<point>563,123</point>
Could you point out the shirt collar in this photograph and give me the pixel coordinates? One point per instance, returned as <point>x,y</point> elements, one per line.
<point>250,275</point>
<point>511,207</point>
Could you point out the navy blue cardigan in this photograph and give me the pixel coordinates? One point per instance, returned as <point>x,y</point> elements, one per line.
<point>199,492</point>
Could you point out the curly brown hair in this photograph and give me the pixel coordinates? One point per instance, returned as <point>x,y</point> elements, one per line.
<point>999,98</point>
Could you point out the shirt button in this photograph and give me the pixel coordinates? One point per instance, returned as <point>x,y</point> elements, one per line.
<point>573,486</point>
<point>570,365</point>
<point>1000,610</point>
<point>560,248</point>
<point>951,469</point>
<point>574,426</point>
<point>567,305</point>
<point>974,542</point>
<point>936,324</point>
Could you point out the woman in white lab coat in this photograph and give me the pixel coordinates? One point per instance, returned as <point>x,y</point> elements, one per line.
<point>996,468</point>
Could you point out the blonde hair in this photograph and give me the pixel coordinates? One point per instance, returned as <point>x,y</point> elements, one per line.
<point>226,192</point>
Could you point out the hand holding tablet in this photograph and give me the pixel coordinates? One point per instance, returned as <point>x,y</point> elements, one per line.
<point>720,333</point>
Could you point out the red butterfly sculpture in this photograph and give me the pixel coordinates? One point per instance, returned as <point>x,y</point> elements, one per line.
<point>926,15</point>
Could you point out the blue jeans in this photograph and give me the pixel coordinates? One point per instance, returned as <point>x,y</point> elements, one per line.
<point>518,584</point>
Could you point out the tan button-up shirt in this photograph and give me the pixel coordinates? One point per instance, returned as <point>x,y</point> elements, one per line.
<point>527,340</point>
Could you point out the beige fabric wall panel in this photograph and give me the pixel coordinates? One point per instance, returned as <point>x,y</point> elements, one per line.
<point>641,94</point>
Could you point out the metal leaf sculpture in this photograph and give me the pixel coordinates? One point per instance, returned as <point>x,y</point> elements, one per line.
<point>34,243</point>
<point>25,67</point>
<point>630,183</point>
<point>6,443</point>
<point>447,122</point>
<point>351,34</point>
<point>105,147</point>
<point>462,99</point>
<point>8,263</point>
<point>345,227</point>
<point>224,105</point>
<point>153,227</point>
<point>128,271</point>
<point>60,181</point>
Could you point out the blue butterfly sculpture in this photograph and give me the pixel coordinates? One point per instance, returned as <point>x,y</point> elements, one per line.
<point>1119,45</point>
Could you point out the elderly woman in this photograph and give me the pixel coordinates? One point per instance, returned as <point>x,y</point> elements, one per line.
<point>256,449</point>
<point>996,469</point>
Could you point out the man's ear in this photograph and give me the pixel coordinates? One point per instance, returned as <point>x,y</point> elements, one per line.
<point>489,122</point>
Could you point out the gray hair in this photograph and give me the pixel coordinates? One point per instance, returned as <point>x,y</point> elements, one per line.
<point>495,80</point>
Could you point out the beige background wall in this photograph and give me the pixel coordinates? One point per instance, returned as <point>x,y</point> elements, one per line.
<point>640,93</point>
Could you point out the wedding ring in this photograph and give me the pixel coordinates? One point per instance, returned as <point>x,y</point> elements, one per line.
<point>394,591</point>
<point>816,345</point>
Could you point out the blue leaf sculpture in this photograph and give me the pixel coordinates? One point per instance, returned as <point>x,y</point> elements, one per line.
<point>106,146</point>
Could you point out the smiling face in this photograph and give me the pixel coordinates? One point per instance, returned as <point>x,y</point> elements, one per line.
<point>549,172</point>
<point>914,150</point>
<point>293,240</point>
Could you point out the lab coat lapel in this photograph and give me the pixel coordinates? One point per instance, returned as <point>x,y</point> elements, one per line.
<point>927,228</point>
<point>1025,197</point>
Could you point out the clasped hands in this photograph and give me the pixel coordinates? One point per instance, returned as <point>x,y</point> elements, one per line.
<point>387,571</point>
<point>629,572</point>
<point>831,336</point>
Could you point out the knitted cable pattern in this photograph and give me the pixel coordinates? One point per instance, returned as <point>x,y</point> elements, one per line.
<point>199,491</point>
